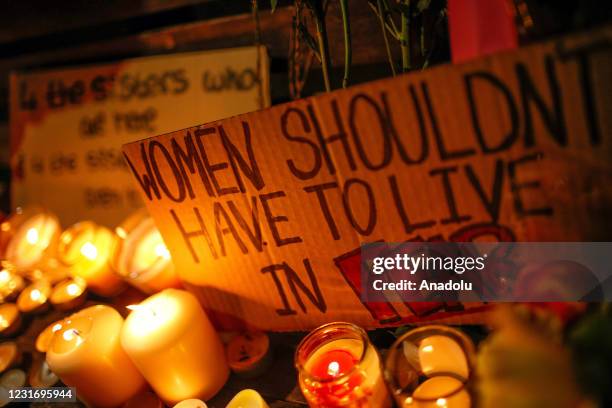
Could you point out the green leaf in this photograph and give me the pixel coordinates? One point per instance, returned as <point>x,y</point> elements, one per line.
<point>273,4</point>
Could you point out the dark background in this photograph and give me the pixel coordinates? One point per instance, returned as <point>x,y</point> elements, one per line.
<point>51,34</point>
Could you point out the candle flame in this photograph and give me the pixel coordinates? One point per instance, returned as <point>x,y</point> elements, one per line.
<point>35,294</point>
<point>121,233</point>
<point>73,289</point>
<point>56,327</point>
<point>428,348</point>
<point>5,276</point>
<point>333,368</point>
<point>441,402</point>
<point>135,307</point>
<point>3,322</point>
<point>162,251</point>
<point>408,401</point>
<point>72,334</point>
<point>89,251</point>
<point>32,236</point>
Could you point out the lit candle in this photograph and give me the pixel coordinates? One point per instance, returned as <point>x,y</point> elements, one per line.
<point>41,376</point>
<point>191,403</point>
<point>43,341</point>
<point>6,233</point>
<point>52,270</point>
<point>171,341</point>
<point>429,366</point>
<point>34,237</point>
<point>247,399</point>
<point>10,285</point>
<point>339,367</point>
<point>87,247</point>
<point>442,354</point>
<point>142,257</point>
<point>9,355</point>
<point>86,353</point>
<point>439,392</point>
<point>34,298</point>
<point>69,294</point>
<point>10,319</point>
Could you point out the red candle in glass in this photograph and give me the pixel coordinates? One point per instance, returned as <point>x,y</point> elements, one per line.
<point>338,367</point>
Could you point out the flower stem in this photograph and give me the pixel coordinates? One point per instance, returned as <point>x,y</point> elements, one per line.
<point>319,15</point>
<point>404,39</point>
<point>347,41</point>
<point>381,18</point>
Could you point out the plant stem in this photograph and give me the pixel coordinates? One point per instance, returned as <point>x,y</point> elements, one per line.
<point>255,11</point>
<point>319,15</point>
<point>347,42</point>
<point>389,24</point>
<point>404,39</point>
<point>381,18</point>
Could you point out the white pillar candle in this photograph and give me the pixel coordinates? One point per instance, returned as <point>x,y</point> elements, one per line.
<point>86,353</point>
<point>171,341</point>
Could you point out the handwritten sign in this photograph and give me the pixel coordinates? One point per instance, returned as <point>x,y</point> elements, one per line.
<point>67,126</point>
<point>264,213</point>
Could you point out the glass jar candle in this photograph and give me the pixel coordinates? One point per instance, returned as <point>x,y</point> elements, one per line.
<point>86,248</point>
<point>34,236</point>
<point>141,256</point>
<point>339,367</point>
<point>430,367</point>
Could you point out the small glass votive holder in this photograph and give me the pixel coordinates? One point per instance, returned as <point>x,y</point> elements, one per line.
<point>339,367</point>
<point>141,257</point>
<point>430,367</point>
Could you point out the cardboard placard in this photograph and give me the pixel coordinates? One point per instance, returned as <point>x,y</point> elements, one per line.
<point>67,126</point>
<point>264,213</point>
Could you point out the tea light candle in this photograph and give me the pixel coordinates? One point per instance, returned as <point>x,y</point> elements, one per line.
<point>10,319</point>
<point>86,353</point>
<point>69,294</point>
<point>191,403</point>
<point>339,367</point>
<point>34,238</point>
<point>10,284</point>
<point>439,392</point>
<point>248,354</point>
<point>9,355</point>
<point>171,341</point>
<point>44,338</point>
<point>142,257</point>
<point>247,399</point>
<point>34,298</point>
<point>441,354</point>
<point>51,270</point>
<point>87,247</point>
<point>41,376</point>
<point>14,378</point>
